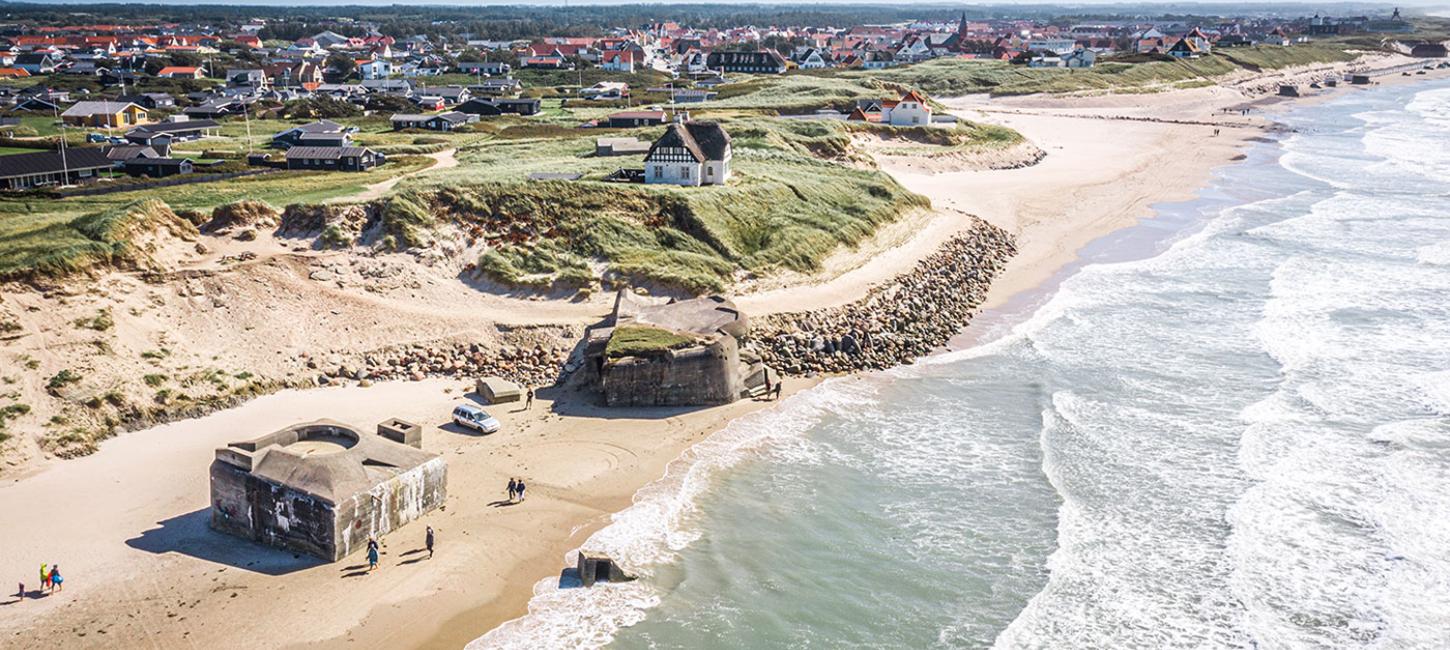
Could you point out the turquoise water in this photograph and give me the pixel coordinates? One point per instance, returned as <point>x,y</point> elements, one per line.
<point>1235,434</point>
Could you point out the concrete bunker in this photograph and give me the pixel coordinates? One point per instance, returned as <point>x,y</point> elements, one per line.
<point>497,390</point>
<point>322,488</point>
<point>662,352</point>
<point>595,567</point>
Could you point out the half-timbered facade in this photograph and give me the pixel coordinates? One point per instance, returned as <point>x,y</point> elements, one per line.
<point>689,153</point>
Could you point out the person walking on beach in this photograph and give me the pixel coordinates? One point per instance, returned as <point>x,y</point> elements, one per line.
<point>777,390</point>
<point>529,403</point>
<point>22,591</point>
<point>55,579</point>
<point>428,541</point>
<point>513,489</point>
<point>44,577</point>
<point>372,556</point>
<point>521,489</point>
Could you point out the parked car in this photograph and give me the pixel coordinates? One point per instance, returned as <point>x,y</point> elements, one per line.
<point>472,417</point>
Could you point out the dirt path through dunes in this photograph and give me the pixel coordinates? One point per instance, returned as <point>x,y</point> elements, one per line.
<point>441,160</point>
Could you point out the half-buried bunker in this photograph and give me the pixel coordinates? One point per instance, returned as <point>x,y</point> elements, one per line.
<point>323,488</point>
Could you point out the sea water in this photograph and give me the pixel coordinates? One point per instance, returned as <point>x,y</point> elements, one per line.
<point>1237,435</point>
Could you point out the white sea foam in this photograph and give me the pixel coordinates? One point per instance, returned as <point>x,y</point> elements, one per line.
<point>659,524</point>
<point>1334,463</point>
<point>1247,432</point>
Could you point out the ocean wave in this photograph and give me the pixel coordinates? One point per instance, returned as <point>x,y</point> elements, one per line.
<point>659,524</point>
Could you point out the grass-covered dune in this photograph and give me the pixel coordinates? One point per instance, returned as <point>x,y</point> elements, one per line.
<point>800,191</point>
<point>121,236</point>
<point>795,197</point>
<point>808,90</point>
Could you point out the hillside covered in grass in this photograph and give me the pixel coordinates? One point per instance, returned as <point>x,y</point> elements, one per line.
<point>796,196</point>
<point>810,90</point>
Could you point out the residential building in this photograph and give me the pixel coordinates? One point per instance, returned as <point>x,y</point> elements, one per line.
<point>157,167</point>
<point>497,87</point>
<point>248,77</point>
<point>691,154</point>
<point>37,63</point>
<point>500,106</point>
<point>490,68</point>
<point>173,130</point>
<point>1080,58</point>
<point>26,170</point>
<point>216,107</point>
<point>763,62</point>
<point>374,68</point>
<point>322,133</point>
<point>150,100</point>
<point>910,110</point>
<point>617,60</point>
<point>122,152</point>
<point>176,72</point>
<point>606,90</point>
<point>452,95</point>
<point>104,114</point>
<point>351,159</point>
<point>634,119</point>
<point>435,122</point>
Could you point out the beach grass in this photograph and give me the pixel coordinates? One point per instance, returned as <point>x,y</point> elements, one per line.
<point>643,341</point>
<point>804,91</point>
<point>796,196</point>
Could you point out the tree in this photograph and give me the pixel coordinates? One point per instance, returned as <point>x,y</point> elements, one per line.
<point>391,104</point>
<point>342,65</point>
<point>321,108</point>
<point>186,59</point>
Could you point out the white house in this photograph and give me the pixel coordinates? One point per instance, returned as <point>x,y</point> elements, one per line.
<point>691,154</point>
<point>1056,45</point>
<point>811,59</point>
<point>617,61</point>
<point>910,110</point>
<point>1082,58</point>
<point>606,90</point>
<point>375,68</point>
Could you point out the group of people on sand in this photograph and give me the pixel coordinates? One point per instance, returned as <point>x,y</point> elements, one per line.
<point>50,580</point>
<point>428,539</point>
<point>516,490</point>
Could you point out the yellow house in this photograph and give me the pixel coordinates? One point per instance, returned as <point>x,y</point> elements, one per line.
<point>105,114</point>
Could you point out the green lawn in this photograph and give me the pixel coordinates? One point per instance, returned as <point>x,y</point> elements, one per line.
<point>642,341</point>
<point>5,151</point>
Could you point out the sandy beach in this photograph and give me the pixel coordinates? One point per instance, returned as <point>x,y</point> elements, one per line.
<point>128,524</point>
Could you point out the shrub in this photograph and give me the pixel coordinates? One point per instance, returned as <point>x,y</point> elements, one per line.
<point>641,341</point>
<point>60,380</point>
<point>101,322</point>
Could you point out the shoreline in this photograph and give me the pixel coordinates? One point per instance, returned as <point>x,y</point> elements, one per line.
<point>490,581</point>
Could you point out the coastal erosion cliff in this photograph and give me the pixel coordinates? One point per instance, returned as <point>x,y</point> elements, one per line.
<point>896,322</point>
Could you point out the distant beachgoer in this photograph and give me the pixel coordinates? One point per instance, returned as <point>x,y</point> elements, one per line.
<point>513,489</point>
<point>21,593</point>
<point>372,558</point>
<point>521,489</point>
<point>767,381</point>
<point>777,391</point>
<point>44,577</point>
<point>429,542</point>
<point>1215,133</point>
<point>530,403</point>
<point>55,579</point>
